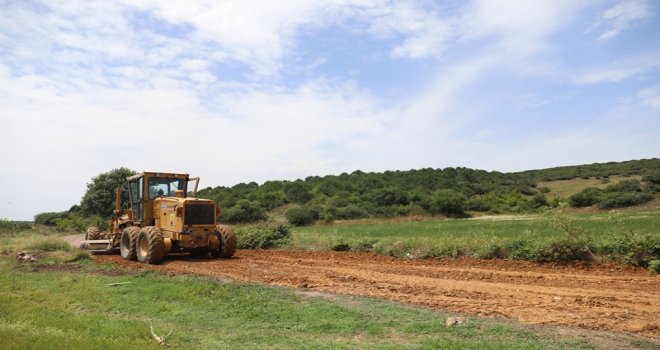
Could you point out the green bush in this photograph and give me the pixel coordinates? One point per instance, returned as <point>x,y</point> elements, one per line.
<point>625,186</point>
<point>623,199</point>
<point>301,216</point>
<point>652,177</point>
<point>449,202</point>
<point>565,250</point>
<point>478,204</point>
<point>352,211</point>
<point>654,266</point>
<point>50,218</point>
<point>491,250</point>
<point>263,237</point>
<point>71,223</point>
<point>525,250</point>
<point>643,251</point>
<point>13,227</point>
<point>586,198</point>
<point>245,211</point>
<point>341,246</point>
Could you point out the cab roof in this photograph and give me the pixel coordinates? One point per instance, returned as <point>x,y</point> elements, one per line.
<point>158,174</point>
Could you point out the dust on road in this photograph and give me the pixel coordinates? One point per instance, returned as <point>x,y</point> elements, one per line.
<point>600,297</point>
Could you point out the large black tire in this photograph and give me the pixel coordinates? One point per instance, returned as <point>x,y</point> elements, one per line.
<point>128,243</point>
<point>92,233</point>
<point>227,240</point>
<point>150,246</point>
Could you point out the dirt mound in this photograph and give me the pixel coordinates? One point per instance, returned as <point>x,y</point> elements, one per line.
<point>599,297</point>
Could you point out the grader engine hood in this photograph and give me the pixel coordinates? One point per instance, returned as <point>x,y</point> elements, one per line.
<point>198,212</point>
<point>182,214</point>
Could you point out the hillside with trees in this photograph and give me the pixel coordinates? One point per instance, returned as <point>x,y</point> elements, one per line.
<point>452,192</point>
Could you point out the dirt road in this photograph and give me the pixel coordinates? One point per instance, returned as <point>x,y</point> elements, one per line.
<point>605,297</point>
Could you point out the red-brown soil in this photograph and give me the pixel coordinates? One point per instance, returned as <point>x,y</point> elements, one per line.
<point>599,297</point>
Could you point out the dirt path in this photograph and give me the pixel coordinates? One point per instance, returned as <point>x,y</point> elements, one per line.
<point>601,298</point>
<point>74,240</point>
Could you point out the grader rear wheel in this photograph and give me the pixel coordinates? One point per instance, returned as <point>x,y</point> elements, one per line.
<point>92,233</point>
<point>227,240</point>
<point>127,245</point>
<point>150,245</point>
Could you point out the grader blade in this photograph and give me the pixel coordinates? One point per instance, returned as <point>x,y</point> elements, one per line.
<point>96,245</point>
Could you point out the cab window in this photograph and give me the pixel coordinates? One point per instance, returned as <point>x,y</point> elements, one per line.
<point>166,187</point>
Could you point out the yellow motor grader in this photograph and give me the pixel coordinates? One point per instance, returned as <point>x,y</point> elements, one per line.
<point>164,217</point>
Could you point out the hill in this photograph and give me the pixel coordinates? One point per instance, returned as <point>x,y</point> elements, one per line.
<point>448,191</point>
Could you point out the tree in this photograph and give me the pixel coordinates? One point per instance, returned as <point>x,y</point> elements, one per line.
<point>245,211</point>
<point>450,202</point>
<point>298,192</point>
<point>99,199</point>
<point>301,215</point>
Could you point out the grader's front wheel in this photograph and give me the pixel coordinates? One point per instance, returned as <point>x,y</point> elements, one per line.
<point>150,245</point>
<point>227,240</point>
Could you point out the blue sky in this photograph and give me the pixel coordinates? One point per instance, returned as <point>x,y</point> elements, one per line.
<point>239,91</point>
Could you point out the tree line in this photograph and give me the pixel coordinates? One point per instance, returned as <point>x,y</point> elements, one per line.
<point>453,192</point>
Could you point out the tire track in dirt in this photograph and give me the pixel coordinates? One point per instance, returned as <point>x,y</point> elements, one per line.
<point>599,297</point>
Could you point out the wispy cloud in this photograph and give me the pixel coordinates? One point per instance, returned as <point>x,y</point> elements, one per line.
<point>519,27</point>
<point>621,17</point>
<point>631,67</point>
<point>90,85</point>
<point>651,96</point>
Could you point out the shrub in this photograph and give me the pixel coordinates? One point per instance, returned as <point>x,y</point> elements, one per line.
<point>491,250</point>
<point>13,227</point>
<point>525,250</point>
<point>50,218</point>
<point>245,211</point>
<point>301,216</point>
<point>565,250</point>
<point>623,199</point>
<point>539,201</point>
<point>352,211</point>
<point>341,246</point>
<point>654,266</point>
<point>366,245</point>
<point>641,250</point>
<point>71,223</point>
<point>586,198</point>
<point>263,237</point>
<point>625,186</point>
<point>478,204</point>
<point>450,202</point>
<point>652,177</point>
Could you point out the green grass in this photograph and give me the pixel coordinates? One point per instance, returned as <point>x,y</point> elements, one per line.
<point>78,310</point>
<point>567,188</point>
<point>614,235</point>
<point>54,304</point>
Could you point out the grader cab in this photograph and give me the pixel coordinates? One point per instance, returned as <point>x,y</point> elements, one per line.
<point>164,217</point>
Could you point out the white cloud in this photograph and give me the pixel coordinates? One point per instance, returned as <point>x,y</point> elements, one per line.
<point>520,27</point>
<point>651,96</point>
<point>427,33</point>
<point>627,68</point>
<point>89,86</point>
<point>622,16</point>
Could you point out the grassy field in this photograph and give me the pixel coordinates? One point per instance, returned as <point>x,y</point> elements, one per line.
<point>567,188</point>
<point>54,304</point>
<point>614,235</point>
